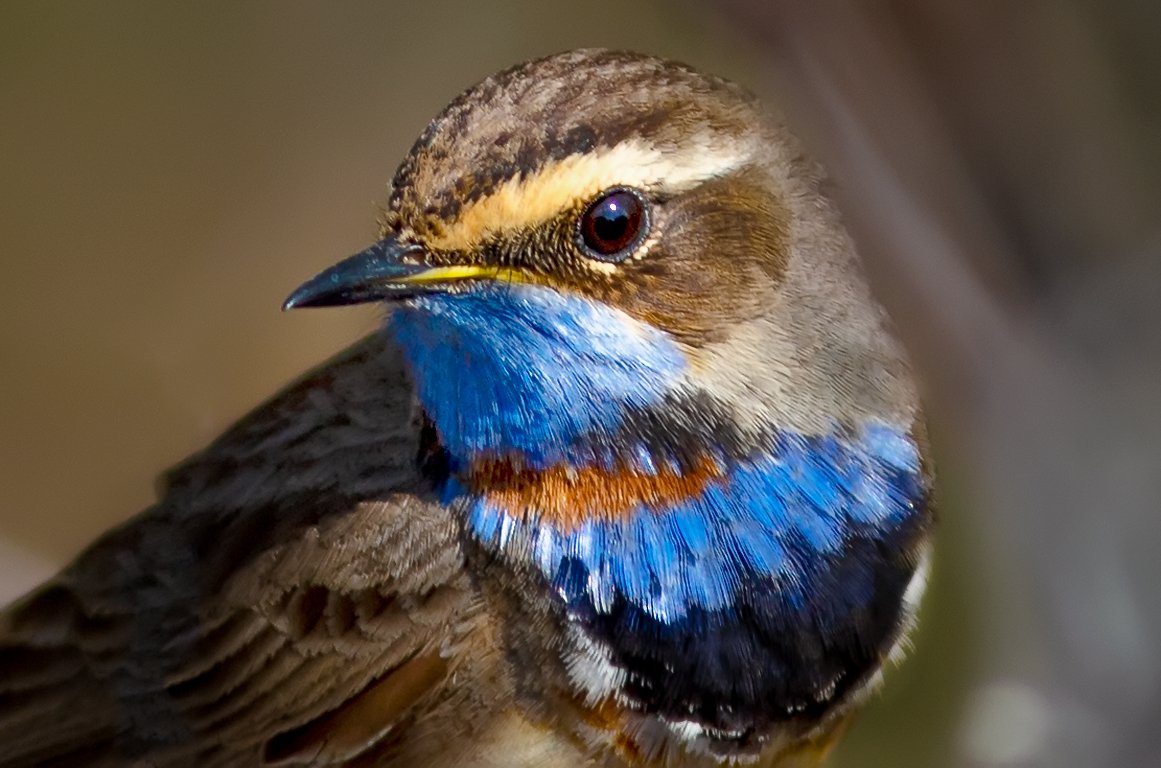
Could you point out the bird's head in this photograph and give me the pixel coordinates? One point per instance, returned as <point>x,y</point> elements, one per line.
<point>607,259</point>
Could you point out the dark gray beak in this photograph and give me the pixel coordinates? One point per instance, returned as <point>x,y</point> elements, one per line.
<point>387,270</point>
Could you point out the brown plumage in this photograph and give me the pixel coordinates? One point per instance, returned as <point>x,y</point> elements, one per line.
<point>274,581</point>
<point>293,599</point>
<point>299,595</point>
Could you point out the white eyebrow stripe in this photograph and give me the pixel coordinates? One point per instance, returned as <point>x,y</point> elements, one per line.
<point>527,200</point>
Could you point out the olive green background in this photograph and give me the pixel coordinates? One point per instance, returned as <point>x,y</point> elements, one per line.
<point>168,173</point>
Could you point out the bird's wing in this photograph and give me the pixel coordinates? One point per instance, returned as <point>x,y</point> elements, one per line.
<point>292,597</point>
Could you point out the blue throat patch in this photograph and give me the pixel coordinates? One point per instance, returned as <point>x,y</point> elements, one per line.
<point>766,595</point>
<point>526,371</point>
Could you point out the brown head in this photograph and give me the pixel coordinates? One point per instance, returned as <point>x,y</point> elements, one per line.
<point>729,247</point>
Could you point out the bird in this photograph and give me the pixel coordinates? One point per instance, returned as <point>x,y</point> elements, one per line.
<point>633,474</point>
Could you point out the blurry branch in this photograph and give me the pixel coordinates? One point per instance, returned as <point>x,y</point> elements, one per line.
<point>1000,171</point>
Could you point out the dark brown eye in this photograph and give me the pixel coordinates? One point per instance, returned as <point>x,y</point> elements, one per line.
<point>613,225</point>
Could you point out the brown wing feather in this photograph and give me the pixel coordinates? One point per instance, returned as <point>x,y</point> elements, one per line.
<point>293,591</point>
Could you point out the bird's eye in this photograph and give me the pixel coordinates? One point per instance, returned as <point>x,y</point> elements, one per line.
<point>613,225</point>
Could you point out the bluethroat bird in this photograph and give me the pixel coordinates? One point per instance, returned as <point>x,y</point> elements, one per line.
<point>634,475</point>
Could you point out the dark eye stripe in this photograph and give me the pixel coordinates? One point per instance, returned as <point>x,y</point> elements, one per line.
<point>613,225</point>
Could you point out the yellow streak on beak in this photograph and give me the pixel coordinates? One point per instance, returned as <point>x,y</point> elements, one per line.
<point>465,272</point>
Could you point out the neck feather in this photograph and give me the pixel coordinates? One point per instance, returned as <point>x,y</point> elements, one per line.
<point>766,589</point>
<point>671,543</point>
<point>530,374</point>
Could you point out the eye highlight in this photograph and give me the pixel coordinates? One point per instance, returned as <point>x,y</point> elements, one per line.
<point>613,225</point>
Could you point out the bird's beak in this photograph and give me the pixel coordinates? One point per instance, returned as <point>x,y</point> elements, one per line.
<point>386,271</point>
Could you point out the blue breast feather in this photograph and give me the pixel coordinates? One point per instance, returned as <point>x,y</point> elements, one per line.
<point>769,522</point>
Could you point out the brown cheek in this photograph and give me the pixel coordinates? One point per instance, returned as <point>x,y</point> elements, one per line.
<point>722,249</point>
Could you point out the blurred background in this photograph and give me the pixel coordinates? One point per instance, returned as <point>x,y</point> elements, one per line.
<point>169,173</point>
